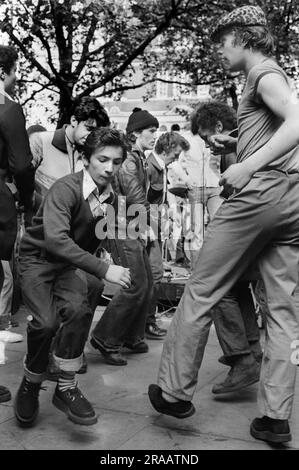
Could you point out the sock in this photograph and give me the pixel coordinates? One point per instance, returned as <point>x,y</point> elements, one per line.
<point>169,398</point>
<point>66,380</point>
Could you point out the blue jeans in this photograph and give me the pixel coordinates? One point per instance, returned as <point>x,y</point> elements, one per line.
<point>124,318</point>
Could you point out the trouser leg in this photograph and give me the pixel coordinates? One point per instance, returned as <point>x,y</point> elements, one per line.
<point>241,228</point>
<point>156,264</point>
<point>125,316</point>
<point>279,271</point>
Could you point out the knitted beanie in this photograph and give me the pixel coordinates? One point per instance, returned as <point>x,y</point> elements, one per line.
<point>141,119</point>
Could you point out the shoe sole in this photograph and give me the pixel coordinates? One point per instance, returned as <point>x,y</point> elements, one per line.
<point>235,389</point>
<point>74,418</point>
<point>104,354</point>
<point>269,436</point>
<point>187,414</point>
<point>5,397</point>
<point>25,423</point>
<point>159,338</point>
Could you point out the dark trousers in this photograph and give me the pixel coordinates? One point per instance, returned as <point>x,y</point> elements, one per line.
<point>61,300</point>
<point>124,318</point>
<point>235,322</point>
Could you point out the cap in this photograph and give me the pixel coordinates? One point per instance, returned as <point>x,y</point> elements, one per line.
<point>141,119</point>
<point>247,15</point>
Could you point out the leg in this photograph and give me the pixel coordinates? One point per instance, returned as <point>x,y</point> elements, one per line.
<point>124,318</point>
<point>6,294</point>
<point>279,270</point>
<point>228,248</point>
<point>197,222</point>
<point>156,263</point>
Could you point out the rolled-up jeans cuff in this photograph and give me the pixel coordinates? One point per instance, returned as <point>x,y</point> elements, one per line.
<point>32,376</point>
<point>68,365</point>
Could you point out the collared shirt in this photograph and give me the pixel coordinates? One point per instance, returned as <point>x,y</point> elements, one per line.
<point>91,193</point>
<point>202,167</point>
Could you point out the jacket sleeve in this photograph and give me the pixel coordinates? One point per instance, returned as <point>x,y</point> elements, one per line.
<point>132,187</point>
<point>18,151</point>
<point>58,207</point>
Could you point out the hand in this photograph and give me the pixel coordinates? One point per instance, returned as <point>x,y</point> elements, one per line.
<point>236,176</point>
<point>222,143</point>
<point>118,275</point>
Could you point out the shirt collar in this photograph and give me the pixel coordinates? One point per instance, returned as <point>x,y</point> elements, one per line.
<point>89,187</point>
<point>159,159</point>
<point>59,140</point>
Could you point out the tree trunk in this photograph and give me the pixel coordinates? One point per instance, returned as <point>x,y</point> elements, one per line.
<point>65,106</point>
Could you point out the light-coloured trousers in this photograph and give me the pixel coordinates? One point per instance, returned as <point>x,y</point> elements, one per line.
<point>201,198</point>
<point>6,294</point>
<point>262,219</point>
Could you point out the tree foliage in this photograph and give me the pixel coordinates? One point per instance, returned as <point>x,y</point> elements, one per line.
<point>74,48</point>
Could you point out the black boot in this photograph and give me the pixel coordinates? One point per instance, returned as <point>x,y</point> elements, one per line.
<point>239,376</point>
<point>26,404</point>
<point>271,430</point>
<point>75,405</point>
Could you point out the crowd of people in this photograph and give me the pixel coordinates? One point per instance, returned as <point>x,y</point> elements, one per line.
<point>223,190</point>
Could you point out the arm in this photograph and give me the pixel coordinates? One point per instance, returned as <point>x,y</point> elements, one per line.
<point>57,216</point>
<point>277,96</point>
<point>36,147</point>
<point>18,152</point>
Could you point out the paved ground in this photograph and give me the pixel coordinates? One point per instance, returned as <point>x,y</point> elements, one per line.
<point>126,419</point>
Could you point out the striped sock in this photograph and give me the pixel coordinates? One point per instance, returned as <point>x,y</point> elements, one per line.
<point>66,380</point>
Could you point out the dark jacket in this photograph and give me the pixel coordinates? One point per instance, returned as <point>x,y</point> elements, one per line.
<point>64,229</point>
<point>133,182</point>
<point>155,194</point>
<point>15,164</point>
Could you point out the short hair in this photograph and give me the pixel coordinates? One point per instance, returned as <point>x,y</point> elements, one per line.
<point>8,58</point>
<point>89,107</point>
<point>104,137</point>
<point>35,128</point>
<point>175,127</point>
<point>206,115</point>
<point>258,38</point>
<point>168,141</point>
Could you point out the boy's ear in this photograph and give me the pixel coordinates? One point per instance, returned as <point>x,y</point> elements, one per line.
<point>73,121</point>
<point>219,127</point>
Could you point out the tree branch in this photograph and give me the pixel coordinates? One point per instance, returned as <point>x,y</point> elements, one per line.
<point>138,51</point>
<point>34,93</point>
<point>28,54</point>
<point>85,55</point>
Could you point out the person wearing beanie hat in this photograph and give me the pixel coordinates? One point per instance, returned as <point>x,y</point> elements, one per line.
<point>259,221</point>
<point>123,322</point>
<point>143,126</point>
<point>141,119</point>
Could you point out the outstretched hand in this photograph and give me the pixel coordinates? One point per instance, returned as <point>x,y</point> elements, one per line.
<point>222,143</point>
<point>118,275</point>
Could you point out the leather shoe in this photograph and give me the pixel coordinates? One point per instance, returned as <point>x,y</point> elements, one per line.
<point>137,348</point>
<point>113,358</point>
<point>180,409</point>
<point>5,394</point>
<point>153,331</point>
<point>239,376</point>
<point>271,430</point>
<point>229,360</point>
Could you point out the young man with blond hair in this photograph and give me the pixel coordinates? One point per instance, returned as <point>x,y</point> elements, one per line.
<point>261,219</point>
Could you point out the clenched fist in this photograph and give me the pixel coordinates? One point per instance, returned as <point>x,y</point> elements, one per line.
<point>118,275</point>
